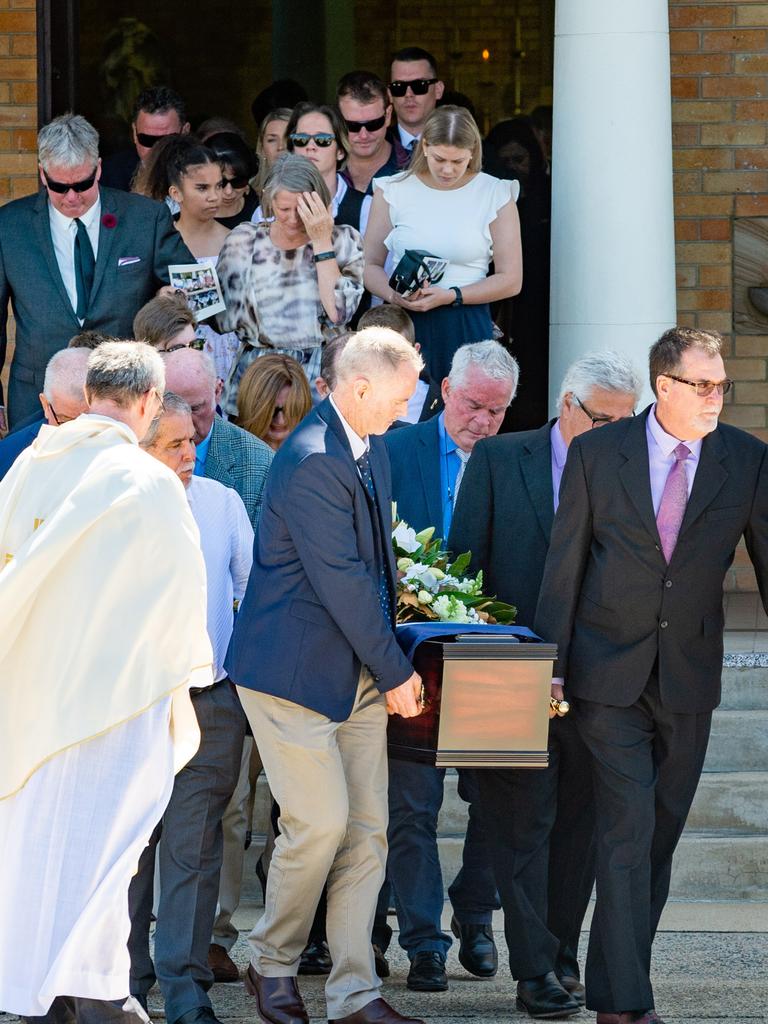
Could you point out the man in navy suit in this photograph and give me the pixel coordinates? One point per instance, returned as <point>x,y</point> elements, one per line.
<point>75,256</point>
<point>543,853</point>
<point>318,667</point>
<point>428,461</point>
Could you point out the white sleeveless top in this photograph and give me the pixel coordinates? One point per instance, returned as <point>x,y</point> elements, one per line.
<point>453,224</point>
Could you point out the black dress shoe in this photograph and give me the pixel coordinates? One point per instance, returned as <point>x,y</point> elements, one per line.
<point>381,962</point>
<point>574,987</point>
<point>477,950</point>
<point>316,958</point>
<point>427,973</point>
<point>544,998</point>
<point>200,1015</point>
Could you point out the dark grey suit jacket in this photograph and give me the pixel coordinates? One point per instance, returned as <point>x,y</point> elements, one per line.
<point>608,598</point>
<point>504,515</point>
<point>30,278</point>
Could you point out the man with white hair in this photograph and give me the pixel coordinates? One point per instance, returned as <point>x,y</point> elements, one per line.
<point>75,256</point>
<point>223,451</point>
<point>318,667</point>
<point>428,462</point>
<point>190,834</point>
<point>62,399</point>
<point>540,824</point>
<point>102,600</point>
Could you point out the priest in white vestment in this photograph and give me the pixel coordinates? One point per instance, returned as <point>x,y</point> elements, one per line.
<point>103,611</point>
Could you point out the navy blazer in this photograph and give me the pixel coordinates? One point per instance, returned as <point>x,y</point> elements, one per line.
<point>136,244</point>
<point>504,515</point>
<point>311,614</point>
<point>414,455</point>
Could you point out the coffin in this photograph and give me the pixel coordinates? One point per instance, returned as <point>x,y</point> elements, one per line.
<point>487,703</point>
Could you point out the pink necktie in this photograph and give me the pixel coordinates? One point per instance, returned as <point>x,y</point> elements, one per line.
<point>669,518</point>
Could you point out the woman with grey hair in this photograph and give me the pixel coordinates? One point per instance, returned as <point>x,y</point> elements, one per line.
<point>293,282</point>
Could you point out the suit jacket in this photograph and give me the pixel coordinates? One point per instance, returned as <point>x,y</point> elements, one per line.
<point>504,515</point>
<point>14,444</point>
<point>608,598</point>
<point>311,615</point>
<point>414,455</point>
<point>238,459</point>
<point>30,278</point>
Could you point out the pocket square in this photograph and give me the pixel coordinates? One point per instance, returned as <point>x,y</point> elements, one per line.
<point>125,261</point>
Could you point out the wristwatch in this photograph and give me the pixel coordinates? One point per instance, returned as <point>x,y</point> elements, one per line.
<point>459,300</point>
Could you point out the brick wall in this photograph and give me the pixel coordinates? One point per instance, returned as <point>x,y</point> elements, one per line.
<point>18,107</point>
<point>719,114</point>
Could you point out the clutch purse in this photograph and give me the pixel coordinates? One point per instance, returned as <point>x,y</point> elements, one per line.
<point>416,269</point>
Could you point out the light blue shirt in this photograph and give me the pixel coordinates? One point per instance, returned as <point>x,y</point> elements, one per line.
<point>450,464</point>
<point>201,454</point>
<point>559,455</point>
<point>661,445</point>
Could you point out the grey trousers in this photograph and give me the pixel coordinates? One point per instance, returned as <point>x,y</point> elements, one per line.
<point>330,781</point>
<point>73,1010</point>
<point>190,838</point>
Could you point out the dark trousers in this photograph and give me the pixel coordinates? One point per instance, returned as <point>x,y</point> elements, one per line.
<point>540,825</point>
<point>189,862</point>
<point>413,864</point>
<point>72,1010</point>
<point>646,764</point>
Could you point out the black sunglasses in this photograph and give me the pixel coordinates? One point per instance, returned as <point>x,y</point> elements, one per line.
<point>353,127</point>
<point>148,141</point>
<point>239,181</point>
<point>76,186</point>
<point>418,86</point>
<point>321,139</point>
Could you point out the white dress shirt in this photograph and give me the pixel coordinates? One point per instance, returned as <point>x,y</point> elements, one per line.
<point>226,539</point>
<point>406,139</point>
<point>63,235</point>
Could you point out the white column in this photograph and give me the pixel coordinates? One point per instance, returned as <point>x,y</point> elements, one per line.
<point>613,251</point>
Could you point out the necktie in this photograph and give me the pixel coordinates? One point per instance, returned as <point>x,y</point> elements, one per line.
<point>463,460</point>
<point>669,518</point>
<point>84,268</point>
<point>385,600</point>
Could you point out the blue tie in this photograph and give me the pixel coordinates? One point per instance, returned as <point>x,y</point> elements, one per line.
<point>385,600</point>
<point>84,268</point>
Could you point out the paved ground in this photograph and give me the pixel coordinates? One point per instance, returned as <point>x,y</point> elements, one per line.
<point>700,977</point>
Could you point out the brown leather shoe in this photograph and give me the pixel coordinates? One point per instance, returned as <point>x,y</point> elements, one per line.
<point>221,964</point>
<point>376,1012</point>
<point>278,1000</point>
<point>608,1018</point>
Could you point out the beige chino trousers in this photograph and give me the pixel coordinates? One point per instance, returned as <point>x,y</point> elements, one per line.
<point>330,781</point>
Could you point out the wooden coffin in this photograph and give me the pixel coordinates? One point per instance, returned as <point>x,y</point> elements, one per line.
<point>487,704</point>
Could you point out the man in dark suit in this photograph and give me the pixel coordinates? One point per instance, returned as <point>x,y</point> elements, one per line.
<point>223,451</point>
<point>75,256</point>
<point>318,667</point>
<point>651,511</point>
<point>543,852</point>
<point>428,462</point>
<point>158,111</point>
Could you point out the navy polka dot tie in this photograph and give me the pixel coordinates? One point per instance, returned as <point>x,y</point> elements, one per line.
<point>385,599</point>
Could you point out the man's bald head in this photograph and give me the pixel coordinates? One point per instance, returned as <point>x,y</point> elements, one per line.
<point>192,375</point>
<point>62,397</point>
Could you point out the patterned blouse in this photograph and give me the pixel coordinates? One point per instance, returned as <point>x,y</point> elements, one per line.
<point>272,295</point>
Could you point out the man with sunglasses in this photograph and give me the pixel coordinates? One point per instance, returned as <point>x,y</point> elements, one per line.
<point>542,852</point>
<point>414,90</point>
<point>651,511</point>
<point>158,111</point>
<point>75,256</point>
<point>364,104</point>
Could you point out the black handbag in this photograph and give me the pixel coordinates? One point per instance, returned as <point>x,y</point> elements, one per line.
<point>416,269</point>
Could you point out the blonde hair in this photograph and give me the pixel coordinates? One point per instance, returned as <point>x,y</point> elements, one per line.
<point>449,126</point>
<point>262,382</point>
<point>375,351</point>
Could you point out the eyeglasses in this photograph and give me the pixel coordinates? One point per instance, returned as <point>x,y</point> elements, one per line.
<point>148,141</point>
<point>321,139</point>
<point>159,398</point>
<point>597,420</point>
<point>418,86</point>
<point>60,419</point>
<point>353,127</point>
<point>75,186</point>
<point>198,344</point>
<point>239,181</point>
<point>703,388</point>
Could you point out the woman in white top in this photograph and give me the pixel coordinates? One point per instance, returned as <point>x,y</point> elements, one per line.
<point>445,205</point>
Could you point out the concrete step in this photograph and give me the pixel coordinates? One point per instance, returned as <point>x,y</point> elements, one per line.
<point>706,867</point>
<point>744,688</point>
<point>739,742</point>
<point>732,802</point>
